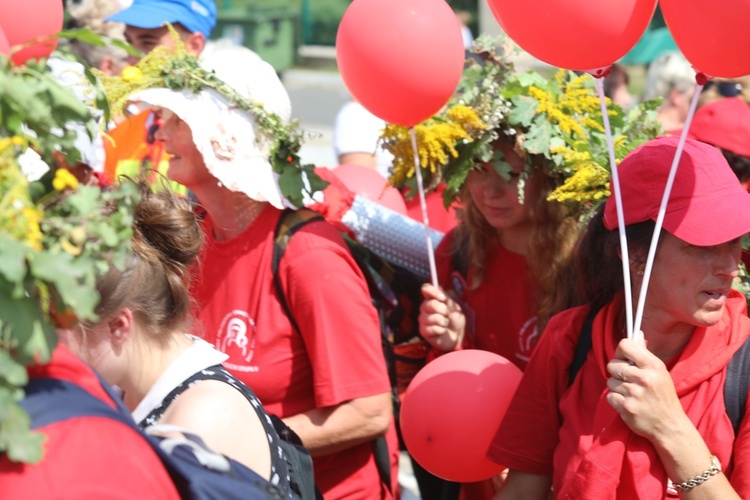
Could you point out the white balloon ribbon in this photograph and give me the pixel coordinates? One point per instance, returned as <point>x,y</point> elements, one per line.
<point>620,216</point>
<point>423,205</point>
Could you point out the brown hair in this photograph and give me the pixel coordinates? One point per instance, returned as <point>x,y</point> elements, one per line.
<point>598,262</point>
<point>154,282</point>
<point>551,246</point>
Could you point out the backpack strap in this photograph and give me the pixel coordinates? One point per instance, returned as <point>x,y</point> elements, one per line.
<point>50,400</point>
<point>583,346</point>
<point>737,385</point>
<point>289,223</point>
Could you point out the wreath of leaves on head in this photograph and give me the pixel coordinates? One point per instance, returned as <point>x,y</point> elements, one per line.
<point>177,70</point>
<point>554,122</point>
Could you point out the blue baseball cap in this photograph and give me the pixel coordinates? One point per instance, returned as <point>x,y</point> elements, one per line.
<point>195,15</point>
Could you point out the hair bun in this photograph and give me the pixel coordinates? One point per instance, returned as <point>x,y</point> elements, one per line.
<point>166,223</point>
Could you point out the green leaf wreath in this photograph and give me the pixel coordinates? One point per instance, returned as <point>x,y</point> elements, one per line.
<point>557,120</point>
<point>176,69</point>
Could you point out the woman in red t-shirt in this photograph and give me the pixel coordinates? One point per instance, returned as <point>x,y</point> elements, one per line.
<point>503,271</point>
<point>304,335</point>
<point>643,420</point>
<point>491,269</point>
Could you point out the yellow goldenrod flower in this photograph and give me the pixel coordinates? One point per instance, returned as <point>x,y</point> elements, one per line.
<point>467,117</point>
<point>64,179</point>
<point>131,74</point>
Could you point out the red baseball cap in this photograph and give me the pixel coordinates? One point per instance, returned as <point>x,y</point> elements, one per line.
<point>724,123</point>
<point>707,206</point>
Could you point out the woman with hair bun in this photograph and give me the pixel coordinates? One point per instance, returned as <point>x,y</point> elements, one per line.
<point>140,343</point>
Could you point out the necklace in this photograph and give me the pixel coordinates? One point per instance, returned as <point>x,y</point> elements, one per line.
<point>244,211</point>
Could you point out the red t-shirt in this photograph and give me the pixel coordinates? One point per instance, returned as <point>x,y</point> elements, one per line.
<point>500,311</point>
<point>86,457</point>
<point>573,434</point>
<point>441,219</point>
<point>336,357</point>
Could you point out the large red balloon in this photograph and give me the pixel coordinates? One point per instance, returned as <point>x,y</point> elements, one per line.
<point>575,34</point>
<point>402,59</point>
<point>713,37</point>
<point>26,20</point>
<point>452,409</point>
<point>369,184</point>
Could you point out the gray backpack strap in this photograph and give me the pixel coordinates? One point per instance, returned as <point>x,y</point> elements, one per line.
<point>737,384</point>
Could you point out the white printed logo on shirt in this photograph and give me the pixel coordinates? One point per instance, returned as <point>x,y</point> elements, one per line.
<point>236,337</point>
<point>527,338</point>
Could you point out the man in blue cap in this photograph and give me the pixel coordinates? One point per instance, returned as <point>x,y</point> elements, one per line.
<point>145,23</point>
<point>145,29</point>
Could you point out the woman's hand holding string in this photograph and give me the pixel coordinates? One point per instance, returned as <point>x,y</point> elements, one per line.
<point>441,321</point>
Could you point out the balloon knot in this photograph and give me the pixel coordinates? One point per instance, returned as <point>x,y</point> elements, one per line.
<point>600,72</point>
<point>701,78</point>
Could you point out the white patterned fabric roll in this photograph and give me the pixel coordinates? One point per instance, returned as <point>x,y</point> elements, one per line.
<point>393,236</point>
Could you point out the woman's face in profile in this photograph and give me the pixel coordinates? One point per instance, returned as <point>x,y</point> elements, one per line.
<point>91,344</point>
<point>690,284</point>
<point>186,164</point>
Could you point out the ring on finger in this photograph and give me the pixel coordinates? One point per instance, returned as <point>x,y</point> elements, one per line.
<point>621,373</point>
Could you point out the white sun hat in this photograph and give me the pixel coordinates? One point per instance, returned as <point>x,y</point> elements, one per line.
<point>226,136</point>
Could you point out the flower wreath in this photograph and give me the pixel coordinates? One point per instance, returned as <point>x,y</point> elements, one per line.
<point>556,120</point>
<point>177,70</point>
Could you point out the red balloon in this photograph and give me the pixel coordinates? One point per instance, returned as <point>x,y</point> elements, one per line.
<point>369,184</point>
<point>26,20</point>
<point>401,59</point>
<point>4,45</point>
<point>714,39</point>
<point>452,409</point>
<point>581,35</point>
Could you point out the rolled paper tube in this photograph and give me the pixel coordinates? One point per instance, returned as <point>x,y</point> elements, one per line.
<point>393,236</point>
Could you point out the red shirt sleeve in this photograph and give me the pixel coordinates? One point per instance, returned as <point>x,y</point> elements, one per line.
<point>330,301</point>
<point>528,434</point>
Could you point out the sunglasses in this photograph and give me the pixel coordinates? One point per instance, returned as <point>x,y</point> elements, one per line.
<point>726,89</point>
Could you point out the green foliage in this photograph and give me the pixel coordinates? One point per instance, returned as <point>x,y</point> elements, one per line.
<point>32,99</point>
<point>56,238</point>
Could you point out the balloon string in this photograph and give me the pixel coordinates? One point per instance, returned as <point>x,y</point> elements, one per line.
<point>663,209</point>
<point>423,205</point>
<point>620,215</point>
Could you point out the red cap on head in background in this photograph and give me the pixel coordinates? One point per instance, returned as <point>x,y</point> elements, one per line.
<point>707,205</point>
<point>724,123</point>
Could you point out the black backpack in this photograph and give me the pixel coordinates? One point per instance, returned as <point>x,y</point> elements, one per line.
<point>197,472</point>
<point>396,295</point>
<point>736,384</point>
